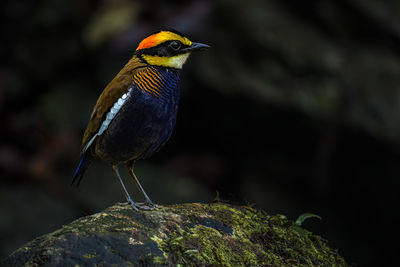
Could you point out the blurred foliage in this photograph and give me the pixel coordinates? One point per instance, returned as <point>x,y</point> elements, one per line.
<point>305,216</point>
<point>317,57</point>
<point>111,20</point>
<point>296,107</point>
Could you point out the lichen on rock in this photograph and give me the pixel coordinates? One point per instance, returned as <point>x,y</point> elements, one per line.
<point>188,234</point>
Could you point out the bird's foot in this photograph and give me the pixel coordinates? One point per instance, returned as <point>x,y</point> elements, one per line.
<point>133,204</point>
<point>146,205</point>
<point>140,206</point>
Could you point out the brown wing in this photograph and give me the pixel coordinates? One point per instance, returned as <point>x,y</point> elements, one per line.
<point>114,90</point>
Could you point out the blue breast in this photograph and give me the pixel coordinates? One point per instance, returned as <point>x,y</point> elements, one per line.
<point>144,123</point>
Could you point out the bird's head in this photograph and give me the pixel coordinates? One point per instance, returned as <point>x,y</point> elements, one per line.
<point>167,48</point>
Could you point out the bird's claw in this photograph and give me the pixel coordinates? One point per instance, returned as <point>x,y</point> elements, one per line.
<point>133,204</point>
<point>140,206</point>
<point>146,205</point>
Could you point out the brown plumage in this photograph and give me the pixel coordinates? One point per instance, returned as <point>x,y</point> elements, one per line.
<point>117,87</point>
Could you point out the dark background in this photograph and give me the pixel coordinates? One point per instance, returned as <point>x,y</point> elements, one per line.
<point>296,108</point>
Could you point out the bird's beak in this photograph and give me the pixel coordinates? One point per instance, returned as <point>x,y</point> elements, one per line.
<point>197,47</point>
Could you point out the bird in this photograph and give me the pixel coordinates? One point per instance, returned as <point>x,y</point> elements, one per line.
<point>135,114</point>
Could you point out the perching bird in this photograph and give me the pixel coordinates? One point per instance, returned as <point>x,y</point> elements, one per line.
<point>136,113</point>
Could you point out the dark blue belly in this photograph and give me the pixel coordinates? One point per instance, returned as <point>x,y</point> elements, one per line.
<point>142,125</point>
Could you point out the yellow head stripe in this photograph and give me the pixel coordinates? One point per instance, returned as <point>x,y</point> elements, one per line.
<point>160,37</point>
<point>171,62</point>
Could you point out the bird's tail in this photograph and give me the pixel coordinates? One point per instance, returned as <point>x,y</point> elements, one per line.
<point>80,170</point>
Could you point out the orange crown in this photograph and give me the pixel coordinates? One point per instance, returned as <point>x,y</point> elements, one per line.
<point>161,37</point>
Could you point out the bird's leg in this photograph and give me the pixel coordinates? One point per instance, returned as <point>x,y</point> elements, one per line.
<point>128,197</point>
<point>147,204</point>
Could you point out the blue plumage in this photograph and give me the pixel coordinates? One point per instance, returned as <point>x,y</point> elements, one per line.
<point>81,169</point>
<point>147,119</point>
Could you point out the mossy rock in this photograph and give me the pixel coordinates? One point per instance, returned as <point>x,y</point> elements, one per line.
<point>186,235</point>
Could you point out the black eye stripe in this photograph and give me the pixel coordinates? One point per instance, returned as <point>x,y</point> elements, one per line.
<point>175,45</point>
<point>164,49</point>
<point>172,43</point>
<point>168,43</point>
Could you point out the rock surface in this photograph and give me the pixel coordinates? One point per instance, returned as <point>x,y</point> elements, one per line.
<point>187,234</point>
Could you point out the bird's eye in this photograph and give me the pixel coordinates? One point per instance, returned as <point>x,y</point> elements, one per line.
<point>175,45</point>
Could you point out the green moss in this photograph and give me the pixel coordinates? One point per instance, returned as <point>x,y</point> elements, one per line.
<point>89,256</point>
<point>183,235</point>
<point>159,260</point>
<point>256,239</point>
